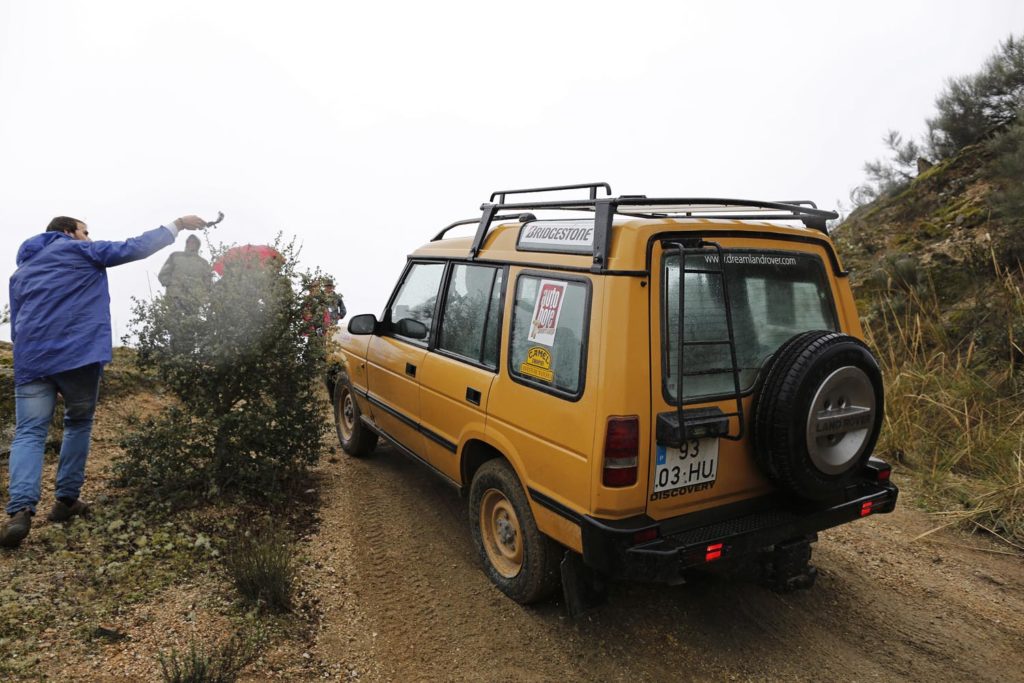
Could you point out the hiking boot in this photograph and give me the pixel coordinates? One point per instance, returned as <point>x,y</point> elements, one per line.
<point>63,511</point>
<point>16,529</point>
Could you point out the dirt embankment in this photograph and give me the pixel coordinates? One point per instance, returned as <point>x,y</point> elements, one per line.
<point>403,598</point>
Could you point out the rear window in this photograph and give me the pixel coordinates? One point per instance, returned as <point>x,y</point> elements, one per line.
<point>774,295</point>
<point>548,334</point>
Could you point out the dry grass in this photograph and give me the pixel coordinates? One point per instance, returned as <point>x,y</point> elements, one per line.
<point>202,663</point>
<point>263,567</point>
<point>955,419</point>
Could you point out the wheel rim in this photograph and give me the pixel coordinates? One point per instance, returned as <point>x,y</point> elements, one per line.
<point>347,415</point>
<point>501,533</point>
<point>841,418</point>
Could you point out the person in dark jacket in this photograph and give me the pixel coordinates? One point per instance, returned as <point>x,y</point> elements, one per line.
<point>60,326</point>
<point>186,275</point>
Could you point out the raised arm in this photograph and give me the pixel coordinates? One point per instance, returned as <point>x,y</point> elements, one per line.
<point>108,254</point>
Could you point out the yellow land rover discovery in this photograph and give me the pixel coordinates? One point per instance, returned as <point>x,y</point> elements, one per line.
<point>628,387</point>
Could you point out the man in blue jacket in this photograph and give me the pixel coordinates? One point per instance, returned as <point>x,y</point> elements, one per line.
<point>60,326</point>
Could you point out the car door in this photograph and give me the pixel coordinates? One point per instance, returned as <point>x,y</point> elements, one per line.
<point>540,405</point>
<point>394,360</point>
<point>456,377</point>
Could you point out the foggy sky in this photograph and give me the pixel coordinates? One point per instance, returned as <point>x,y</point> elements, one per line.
<point>363,129</point>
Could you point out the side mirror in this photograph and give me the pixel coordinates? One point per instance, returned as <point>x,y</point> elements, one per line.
<point>362,324</point>
<point>411,328</point>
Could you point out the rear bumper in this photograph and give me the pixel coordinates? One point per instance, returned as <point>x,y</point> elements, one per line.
<point>742,530</point>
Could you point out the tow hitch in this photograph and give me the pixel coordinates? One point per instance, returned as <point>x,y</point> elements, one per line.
<point>786,567</point>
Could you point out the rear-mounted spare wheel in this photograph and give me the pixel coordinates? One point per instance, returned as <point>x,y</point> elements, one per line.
<point>818,413</point>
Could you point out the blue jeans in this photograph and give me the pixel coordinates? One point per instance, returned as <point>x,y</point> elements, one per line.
<point>33,406</point>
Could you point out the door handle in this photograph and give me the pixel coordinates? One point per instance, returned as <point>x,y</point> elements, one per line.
<point>410,369</point>
<point>473,396</point>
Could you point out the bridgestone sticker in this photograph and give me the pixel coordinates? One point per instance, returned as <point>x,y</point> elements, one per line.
<point>546,311</point>
<point>538,364</point>
<point>558,236</point>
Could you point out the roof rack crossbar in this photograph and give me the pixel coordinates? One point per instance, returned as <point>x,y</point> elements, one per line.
<point>593,187</point>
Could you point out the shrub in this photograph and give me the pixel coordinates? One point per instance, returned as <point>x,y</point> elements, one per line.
<point>1007,169</point>
<point>218,664</point>
<point>887,176</point>
<point>249,415</point>
<point>262,565</point>
<point>971,107</point>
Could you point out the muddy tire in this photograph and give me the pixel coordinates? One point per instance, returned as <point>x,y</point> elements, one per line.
<point>818,413</point>
<point>517,557</point>
<point>356,439</point>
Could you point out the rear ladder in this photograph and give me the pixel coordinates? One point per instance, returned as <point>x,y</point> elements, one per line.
<point>683,425</point>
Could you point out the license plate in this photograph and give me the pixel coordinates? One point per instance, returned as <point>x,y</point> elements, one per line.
<point>696,462</point>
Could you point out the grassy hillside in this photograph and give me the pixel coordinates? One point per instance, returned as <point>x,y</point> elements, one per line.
<point>938,278</point>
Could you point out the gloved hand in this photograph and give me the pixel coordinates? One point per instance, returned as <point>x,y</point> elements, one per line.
<point>189,223</point>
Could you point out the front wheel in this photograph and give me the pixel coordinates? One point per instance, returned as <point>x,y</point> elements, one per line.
<point>520,560</point>
<point>356,439</point>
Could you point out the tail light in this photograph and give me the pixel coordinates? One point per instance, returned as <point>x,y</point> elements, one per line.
<point>865,508</point>
<point>713,552</point>
<point>645,535</point>
<point>878,470</point>
<point>621,445</point>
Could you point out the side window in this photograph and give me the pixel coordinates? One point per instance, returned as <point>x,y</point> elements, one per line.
<point>417,295</point>
<point>548,332</point>
<point>472,312</point>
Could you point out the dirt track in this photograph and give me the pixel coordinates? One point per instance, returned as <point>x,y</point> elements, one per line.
<point>404,599</point>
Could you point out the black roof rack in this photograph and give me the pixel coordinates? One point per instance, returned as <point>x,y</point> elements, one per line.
<point>639,206</point>
<point>522,218</point>
<point>593,187</point>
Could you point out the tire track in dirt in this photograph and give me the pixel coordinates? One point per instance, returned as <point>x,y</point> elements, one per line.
<point>405,599</point>
<point>414,580</point>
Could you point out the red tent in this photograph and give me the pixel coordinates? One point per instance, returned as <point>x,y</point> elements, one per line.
<point>257,254</point>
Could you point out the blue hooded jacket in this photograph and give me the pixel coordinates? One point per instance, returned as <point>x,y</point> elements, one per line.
<point>60,301</point>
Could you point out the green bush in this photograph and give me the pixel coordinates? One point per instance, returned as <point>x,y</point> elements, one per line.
<point>1007,168</point>
<point>971,107</point>
<point>248,415</point>
<point>888,176</point>
<point>262,565</point>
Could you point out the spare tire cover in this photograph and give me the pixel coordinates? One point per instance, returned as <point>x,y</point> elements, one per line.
<point>818,413</point>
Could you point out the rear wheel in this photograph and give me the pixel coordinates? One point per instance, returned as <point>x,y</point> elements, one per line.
<point>356,439</point>
<point>517,557</point>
